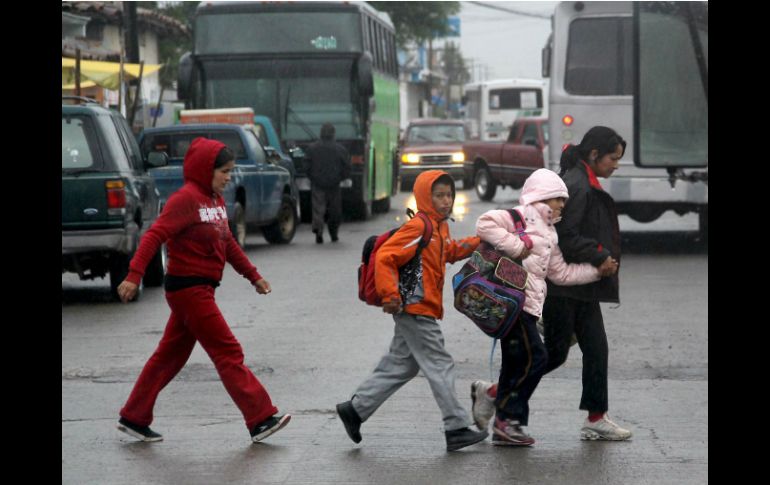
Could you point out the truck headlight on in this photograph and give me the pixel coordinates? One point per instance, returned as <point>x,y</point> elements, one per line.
<point>458,157</point>
<point>410,158</point>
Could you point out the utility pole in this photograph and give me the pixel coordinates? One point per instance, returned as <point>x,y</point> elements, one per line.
<point>132,52</point>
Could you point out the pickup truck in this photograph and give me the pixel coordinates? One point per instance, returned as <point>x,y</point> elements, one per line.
<point>261,193</point>
<point>108,198</point>
<point>492,164</point>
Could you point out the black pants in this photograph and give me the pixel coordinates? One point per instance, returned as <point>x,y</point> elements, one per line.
<point>327,203</point>
<point>524,361</point>
<point>562,317</point>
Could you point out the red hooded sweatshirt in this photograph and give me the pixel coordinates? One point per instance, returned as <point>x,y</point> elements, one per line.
<point>194,226</point>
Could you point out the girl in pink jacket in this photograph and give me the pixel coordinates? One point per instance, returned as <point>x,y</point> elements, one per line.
<point>524,354</point>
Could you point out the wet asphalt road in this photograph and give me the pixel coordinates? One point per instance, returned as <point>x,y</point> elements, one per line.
<point>311,342</point>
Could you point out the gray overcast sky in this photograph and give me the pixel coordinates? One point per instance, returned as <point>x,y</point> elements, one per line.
<point>507,43</point>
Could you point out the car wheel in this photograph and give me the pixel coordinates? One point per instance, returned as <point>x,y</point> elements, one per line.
<point>282,230</point>
<point>238,226</point>
<point>156,269</point>
<point>485,184</point>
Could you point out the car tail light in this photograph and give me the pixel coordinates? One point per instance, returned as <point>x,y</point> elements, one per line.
<point>359,159</point>
<point>568,120</point>
<point>116,197</point>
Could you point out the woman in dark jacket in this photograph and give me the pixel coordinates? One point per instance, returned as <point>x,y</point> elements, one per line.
<point>588,233</point>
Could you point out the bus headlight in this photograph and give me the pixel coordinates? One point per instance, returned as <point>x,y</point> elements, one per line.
<point>410,158</point>
<point>458,157</point>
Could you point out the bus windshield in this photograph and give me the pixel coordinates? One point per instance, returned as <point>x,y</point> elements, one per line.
<point>673,84</point>
<point>297,95</point>
<point>278,32</point>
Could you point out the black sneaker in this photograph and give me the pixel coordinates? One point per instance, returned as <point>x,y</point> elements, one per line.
<point>460,438</point>
<point>351,420</point>
<point>143,433</point>
<point>268,427</point>
<point>319,239</point>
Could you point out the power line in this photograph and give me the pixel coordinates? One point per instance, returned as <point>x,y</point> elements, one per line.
<point>510,10</point>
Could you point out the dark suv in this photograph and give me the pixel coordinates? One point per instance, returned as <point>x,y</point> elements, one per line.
<point>109,199</point>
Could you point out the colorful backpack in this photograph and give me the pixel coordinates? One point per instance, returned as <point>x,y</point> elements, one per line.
<point>489,288</point>
<point>409,274</point>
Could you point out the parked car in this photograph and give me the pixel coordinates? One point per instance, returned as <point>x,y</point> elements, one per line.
<point>492,164</point>
<point>261,193</point>
<point>430,144</point>
<point>109,199</point>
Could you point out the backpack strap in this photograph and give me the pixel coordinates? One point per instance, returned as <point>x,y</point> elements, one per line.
<point>427,232</point>
<point>521,227</point>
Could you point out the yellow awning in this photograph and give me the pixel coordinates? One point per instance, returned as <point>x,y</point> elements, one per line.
<point>105,74</point>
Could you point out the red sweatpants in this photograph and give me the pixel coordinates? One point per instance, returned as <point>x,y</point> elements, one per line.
<point>196,317</point>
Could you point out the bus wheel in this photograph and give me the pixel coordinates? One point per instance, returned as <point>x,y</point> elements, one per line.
<point>361,210</point>
<point>485,184</point>
<point>703,223</point>
<point>382,205</point>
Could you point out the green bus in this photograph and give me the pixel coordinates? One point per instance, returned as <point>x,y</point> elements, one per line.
<point>303,64</point>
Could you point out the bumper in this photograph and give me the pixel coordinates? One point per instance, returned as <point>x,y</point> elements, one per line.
<point>655,190</point>
<point>118,240</point>
<point>410,172</point>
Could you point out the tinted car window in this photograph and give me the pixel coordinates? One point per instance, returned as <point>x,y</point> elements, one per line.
<point>436,134</point>
<point>128,141</point>
<point>598,57</point>
<point>232,140</point>
<point>256,147</point>
<point>259,131</point>
<point>77,144</point>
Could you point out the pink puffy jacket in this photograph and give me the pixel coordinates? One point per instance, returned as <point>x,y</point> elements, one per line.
<point>545,260</point>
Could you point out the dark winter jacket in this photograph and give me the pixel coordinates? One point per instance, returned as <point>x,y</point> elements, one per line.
<point>588,233</point>
<point>328,164</point>
<point>194,226</point>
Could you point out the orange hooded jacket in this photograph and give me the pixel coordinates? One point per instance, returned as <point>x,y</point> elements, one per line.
<point>402,246</point>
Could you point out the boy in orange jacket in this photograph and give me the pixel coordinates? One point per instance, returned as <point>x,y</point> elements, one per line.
<point>418,343</point>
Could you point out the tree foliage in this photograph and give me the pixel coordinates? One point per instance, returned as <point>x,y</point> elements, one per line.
<point>418,21</point>
<point>171,48</point>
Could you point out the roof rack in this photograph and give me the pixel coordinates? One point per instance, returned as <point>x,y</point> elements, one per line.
<point>80,98</point>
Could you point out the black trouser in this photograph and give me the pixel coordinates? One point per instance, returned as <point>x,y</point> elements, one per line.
<point>524,361</point>
<point>561,318</point>
<point>326,202</point>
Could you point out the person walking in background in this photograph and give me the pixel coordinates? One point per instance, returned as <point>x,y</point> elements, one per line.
<point>328,164</point>
<point>588,233</point>
<point>194,226</point>
<point>418,343</point>
<point>524,356</point>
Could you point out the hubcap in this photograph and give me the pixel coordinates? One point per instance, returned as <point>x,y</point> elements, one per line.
<point>481,182</point>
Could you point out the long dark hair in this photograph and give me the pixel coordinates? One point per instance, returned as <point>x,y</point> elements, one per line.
<point>601,138</point>
<point>225,155</point>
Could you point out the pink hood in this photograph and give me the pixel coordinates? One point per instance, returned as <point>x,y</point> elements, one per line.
<point>543,184</point>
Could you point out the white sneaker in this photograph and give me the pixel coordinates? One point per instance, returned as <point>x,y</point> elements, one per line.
<point>483,405</point>
<point>603,429</point>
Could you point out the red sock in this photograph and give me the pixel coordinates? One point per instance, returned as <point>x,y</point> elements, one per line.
<point>594,417</point>
<point>492,391</point>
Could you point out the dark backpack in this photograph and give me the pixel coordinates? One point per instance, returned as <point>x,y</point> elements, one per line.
<point>408,274</point>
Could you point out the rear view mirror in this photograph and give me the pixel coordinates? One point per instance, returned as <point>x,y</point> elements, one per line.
<point>184,77</point>
<point>365,76</point>
<point>272,154</point>
<point>297,153</point>
<point>156,159</point>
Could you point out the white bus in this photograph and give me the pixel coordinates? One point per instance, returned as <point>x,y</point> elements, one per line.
<point>491,107</point>
<point>642,69</point>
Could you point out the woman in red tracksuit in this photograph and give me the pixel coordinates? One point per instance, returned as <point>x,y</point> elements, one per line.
<point>194,227</point>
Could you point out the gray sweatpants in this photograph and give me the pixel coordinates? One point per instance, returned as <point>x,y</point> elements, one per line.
<point>418,344</point>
